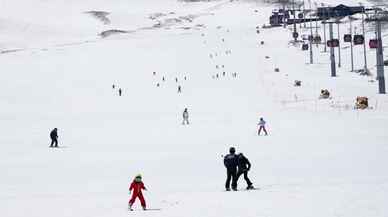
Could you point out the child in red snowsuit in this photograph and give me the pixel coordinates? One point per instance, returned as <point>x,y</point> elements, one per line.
<point>137,185</point>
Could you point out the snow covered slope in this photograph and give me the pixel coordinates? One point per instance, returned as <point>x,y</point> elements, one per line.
<point>322,158</point>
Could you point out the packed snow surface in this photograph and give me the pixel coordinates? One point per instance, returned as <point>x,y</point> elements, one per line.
<point>322,158</point>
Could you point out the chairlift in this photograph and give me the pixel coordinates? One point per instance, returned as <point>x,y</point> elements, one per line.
<point>305,46</point>
<point>317,39</point>
<point>358,39</point>
<point>373,44</point>
<point>333,43</point>
<point>347,38</point>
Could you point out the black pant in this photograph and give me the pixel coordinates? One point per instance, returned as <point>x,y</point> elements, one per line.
<point>231,174</point>
<point>54,141</point>
<point>245,172</point>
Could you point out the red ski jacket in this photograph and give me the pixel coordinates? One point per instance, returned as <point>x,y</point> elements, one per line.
<point>136,187</point>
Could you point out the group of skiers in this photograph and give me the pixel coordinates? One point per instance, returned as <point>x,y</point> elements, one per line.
<point>120,91</point>
<point>236,165</point>
<point>176,81</point>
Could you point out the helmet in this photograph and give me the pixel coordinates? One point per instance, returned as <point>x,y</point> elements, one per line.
<point>138,178</point>
<point>232,150</point>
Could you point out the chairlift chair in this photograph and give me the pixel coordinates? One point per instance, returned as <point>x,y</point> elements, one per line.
<point>317,39</point>
<point>347,38</point>
<point>358,39</point>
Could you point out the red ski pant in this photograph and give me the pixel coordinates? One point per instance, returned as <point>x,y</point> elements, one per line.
<point>141,198</point>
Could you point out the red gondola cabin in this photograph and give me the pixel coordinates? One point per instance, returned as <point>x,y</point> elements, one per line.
<point>333,43</point>
<point>373,43</point>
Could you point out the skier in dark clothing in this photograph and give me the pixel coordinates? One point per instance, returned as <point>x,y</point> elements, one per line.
<point>243,167</point>
<point>231,162</point>
<point>120,91</point>
<point>54,138</point>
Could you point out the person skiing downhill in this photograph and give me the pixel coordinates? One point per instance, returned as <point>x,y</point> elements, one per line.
<point>185,117</point>
<point>231,162</point>
<point>243,167</point>
<point>54,137</point>
<point>262,126</point>
<point>137,186</point>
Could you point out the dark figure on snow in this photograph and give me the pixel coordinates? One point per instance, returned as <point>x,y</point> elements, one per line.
<point>243,167</point>
<point>113,86</point>
<point>154,73</point>
<point>179,89</point>
<point>120,91</point>
<point>262,126</point>
<point>163,78</point>
<point>54,137</point>
<point>176,80</point>
<point>231,162</point>
<point>185,117</point>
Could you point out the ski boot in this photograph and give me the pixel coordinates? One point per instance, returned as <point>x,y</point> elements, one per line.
<point>227,189</point>
<point>130,207</point>
<point>144,208</point>
<point>250,187</point>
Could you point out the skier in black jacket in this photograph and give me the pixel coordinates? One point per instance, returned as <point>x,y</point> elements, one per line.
<point>231,162</point>
<point>243,167</point>
<point>54,137</point>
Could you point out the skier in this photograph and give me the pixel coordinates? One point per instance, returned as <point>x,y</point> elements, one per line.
<point>243,167</point>
<point>113,86</point>
<point>137,186</point>
<point>54,138</point>
<point>262,126</point>
<point>185,117</point>
<point>179,89</point>
<point>120,91</point>
<point>231,162</point>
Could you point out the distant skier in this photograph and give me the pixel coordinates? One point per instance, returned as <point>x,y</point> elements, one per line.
<point>243,167</point>
<point>54,138</point>
<point>176,80</point>
<point>120,91</point>
<point>262,126</point>
<point>185,117</point>
<point>154,73</point>
<point>137,186</point>
<point>231,162</point>
<point>179,89</point>
<point>113,86</point>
